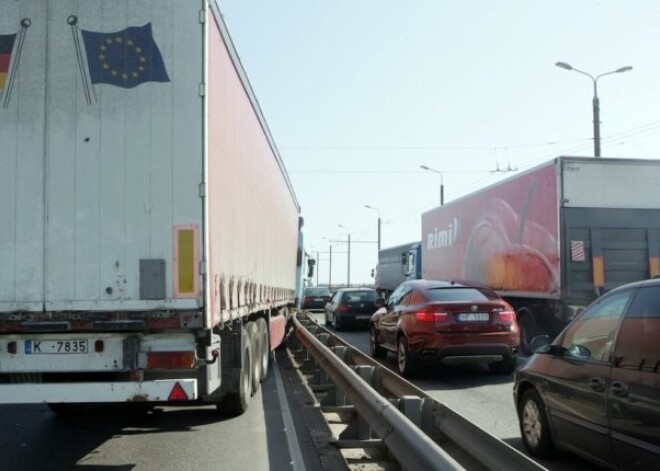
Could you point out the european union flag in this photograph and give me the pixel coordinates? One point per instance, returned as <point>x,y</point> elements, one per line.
<point>126,58</point>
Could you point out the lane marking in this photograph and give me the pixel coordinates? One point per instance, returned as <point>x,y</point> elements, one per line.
<point>297,462</point>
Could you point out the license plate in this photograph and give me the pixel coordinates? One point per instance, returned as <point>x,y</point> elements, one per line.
<point>363,317</point>
<point>55,347</point>
<point>317,299</point>
<point>473,317</point>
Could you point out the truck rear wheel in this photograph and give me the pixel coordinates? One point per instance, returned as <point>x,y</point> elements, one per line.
<point>236,403</point>
<point>262,332</point>
<point>527,328</point>
<point>257,349</point>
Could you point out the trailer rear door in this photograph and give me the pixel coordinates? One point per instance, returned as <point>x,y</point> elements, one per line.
<point>102,155</point>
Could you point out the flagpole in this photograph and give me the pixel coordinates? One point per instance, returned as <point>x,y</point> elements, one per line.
<point>73,22</point>
<point>25,24</point>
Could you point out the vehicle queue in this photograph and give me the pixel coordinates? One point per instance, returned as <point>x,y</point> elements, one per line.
<point>593,390</point>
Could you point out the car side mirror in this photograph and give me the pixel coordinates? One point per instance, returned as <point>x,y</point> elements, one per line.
<point>380,302</point>
<point>540,344</point>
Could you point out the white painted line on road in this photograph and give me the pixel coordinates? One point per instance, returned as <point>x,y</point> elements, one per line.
<point>297,462</point>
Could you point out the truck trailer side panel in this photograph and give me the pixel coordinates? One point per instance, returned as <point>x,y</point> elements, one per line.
<point>253,215</point>
<point>504,236</point>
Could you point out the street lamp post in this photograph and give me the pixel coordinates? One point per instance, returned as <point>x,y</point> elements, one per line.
<point>376,209</point>
<point>596,103</point>
<point>318,260</point>
<point>348,267</point>
<point>442,186</point>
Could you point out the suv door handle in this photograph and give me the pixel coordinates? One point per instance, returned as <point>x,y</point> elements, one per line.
<point>619,389</point>
<point>597,384</point>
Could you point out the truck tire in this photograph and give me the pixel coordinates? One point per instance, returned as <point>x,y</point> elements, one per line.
<point>255,342</point>
<point>236,403</point>
<point>527,328</point>
<point>262,331</point>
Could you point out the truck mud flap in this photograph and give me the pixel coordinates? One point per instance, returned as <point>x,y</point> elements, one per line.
<point>146,391</point>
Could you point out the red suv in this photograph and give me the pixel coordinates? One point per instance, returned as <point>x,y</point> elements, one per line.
<point>447,323</point>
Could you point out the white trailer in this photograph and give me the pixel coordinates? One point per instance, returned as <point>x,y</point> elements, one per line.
<point>148,228</point>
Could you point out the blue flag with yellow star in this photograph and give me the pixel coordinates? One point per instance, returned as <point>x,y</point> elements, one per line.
<point>126,58</point>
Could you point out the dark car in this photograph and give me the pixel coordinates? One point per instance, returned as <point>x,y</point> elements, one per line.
<point>315,298</point>
<point>595,390</point>
<point>352,306</point>
<point>447,323</point>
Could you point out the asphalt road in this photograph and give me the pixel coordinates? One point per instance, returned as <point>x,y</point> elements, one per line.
<point>481,397</point>
<point>198,438</point>
<point>118,438</point>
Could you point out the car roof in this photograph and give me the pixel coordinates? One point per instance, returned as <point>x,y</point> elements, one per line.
<point>355,289</point>
<point>638,284</point>
<point>426,284</point>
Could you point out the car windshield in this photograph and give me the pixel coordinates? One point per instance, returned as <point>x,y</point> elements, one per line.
<point>359,296</point>
<point>455,294</point>
<point>317,292</point>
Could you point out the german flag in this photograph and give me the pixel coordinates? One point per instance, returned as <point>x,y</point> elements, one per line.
<point>6,46</point>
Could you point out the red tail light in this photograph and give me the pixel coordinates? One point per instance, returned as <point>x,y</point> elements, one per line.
<point>343,308</point>
<point>430,316</point>
<point>508,315</point>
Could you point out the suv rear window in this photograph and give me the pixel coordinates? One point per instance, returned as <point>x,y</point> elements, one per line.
<point>455,294</point>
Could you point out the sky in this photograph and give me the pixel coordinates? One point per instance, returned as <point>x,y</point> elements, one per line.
<point>358,94</point>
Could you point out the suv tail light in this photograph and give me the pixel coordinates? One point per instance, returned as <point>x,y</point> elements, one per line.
<point>430,316</point>
<point>507,315</point>
<point>343,308</point>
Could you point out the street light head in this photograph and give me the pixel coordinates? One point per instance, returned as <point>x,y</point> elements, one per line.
<point>623,69</point>
<point>564,65</point>
<point>424,167</point>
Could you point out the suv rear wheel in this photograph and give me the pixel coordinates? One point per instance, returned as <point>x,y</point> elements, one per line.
<point>374,346</point>
<point>403,360</point>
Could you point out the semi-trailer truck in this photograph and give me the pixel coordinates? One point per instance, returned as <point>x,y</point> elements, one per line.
<point>396,265</point>
<point>148,228</point>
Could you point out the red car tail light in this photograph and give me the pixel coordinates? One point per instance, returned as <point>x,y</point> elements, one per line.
<point>343,308</point>
<point>430,316</point>
<point>507,316</point>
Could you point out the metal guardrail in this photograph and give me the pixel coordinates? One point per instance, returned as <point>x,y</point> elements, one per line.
<point>424,434</point>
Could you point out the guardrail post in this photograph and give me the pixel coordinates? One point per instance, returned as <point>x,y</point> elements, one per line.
<point>419,410</point>
<point>340,397</point>
<point>370,375</point>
